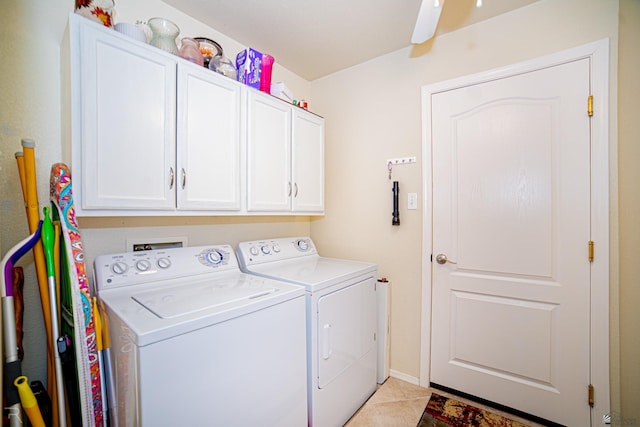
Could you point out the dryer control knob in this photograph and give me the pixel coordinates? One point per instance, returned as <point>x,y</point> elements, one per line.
<point>276,248</point>
<point>302,245</point>
<point>265,249</point>
<point>254,251</point>
<point>119,267</point>
<point>143,265</point>
<point>164,263</point>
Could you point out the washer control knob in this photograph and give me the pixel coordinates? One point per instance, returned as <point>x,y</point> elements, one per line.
<point>254,251</point>
<point>265,249</point>
<point>119,267</point>
<point>164,263</point>
<point>276,248</point>
<point>214,257</point>
<point>143,265</point>
<point>302,245</point>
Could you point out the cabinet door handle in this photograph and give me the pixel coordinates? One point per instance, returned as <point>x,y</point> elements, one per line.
<point>184,178</point>
<point>295,194</point>
<point>289,195</point>
<point>171,178</point>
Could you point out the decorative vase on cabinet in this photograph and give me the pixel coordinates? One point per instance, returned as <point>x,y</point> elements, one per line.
<point>164,34</point>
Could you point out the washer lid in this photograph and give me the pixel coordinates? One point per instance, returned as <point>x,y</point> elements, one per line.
<point>157,311</point>
<point>180,300</point>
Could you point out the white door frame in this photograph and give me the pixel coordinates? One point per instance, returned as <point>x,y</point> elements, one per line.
<point>598,53</point>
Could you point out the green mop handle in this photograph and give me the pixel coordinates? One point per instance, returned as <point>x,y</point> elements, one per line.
<point>48,241</point>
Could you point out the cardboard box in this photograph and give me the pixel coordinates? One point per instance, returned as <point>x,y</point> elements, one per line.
<point>249,64</point>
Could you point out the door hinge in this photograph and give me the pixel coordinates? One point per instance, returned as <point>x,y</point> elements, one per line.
<point>591,251</point>
<point>590,105</point>
<point>591,394</point>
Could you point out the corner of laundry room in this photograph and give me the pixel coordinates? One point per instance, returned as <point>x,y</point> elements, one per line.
<point>374,128</point>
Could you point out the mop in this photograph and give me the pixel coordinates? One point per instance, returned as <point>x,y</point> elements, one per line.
<point>48,240</point>
<point>12,367</point>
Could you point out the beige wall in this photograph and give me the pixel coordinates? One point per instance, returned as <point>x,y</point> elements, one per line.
<point>373,113</point>
<point>29,108</point>
<point>629,179</point>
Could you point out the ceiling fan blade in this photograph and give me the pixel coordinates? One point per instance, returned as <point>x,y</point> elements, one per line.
<point>427,21</point>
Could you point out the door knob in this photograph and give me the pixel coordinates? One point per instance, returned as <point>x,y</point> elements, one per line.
<point>442,259</point>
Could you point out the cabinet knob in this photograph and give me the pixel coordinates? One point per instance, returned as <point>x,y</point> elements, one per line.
<point>295,194</point>
<point>184,178</point>
<point>171,178</point>
<point>289,184</point>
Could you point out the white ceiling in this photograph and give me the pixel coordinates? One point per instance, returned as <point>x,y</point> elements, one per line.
<point>313,38</point>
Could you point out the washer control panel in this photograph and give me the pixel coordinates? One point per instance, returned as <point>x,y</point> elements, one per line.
<point>270,250</point>
<point>130,268</point>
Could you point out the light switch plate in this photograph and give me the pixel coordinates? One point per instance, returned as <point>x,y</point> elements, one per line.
<point>412,200</point>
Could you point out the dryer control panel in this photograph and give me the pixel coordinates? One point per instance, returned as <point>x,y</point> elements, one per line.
<point>259,251</point>
<point>130,268</point>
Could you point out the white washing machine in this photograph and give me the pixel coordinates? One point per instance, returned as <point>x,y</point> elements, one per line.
<point>341,321</point>
<point>194,341</point>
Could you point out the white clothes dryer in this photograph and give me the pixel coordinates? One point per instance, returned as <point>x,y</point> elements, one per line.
<point>194,341</point>
<point>341,321</point>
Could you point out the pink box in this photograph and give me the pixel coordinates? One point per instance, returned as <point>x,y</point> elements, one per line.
<point>254,69</point>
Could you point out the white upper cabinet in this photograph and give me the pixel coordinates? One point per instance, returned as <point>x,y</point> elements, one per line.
<point>126,104</point>
<point>285,157</point>
<point>307,165</point>
<point>269,154</point>
<point>153,134</point>
<point>209,141</point>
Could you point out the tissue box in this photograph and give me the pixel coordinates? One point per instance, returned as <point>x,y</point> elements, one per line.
<point>248,64</point>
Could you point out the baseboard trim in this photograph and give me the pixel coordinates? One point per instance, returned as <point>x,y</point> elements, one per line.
<point>404,377</point>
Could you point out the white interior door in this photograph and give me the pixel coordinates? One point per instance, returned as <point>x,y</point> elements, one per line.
<point>511,212</point>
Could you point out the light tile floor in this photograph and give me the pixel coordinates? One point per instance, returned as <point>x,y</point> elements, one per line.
<point>395,403</point>
<point>398,403</point>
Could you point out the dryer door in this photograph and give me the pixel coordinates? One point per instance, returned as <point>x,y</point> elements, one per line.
<point>346,328</point>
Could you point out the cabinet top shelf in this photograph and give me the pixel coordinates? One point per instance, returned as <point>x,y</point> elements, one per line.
<point>79,20</point>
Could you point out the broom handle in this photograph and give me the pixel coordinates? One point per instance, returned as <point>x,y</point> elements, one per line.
<point>33,217</point>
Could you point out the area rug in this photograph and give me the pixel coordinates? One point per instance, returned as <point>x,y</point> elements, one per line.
<point>445,412</point>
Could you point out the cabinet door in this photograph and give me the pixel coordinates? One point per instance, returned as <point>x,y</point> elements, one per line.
<point>127,107</point>
<point>307,162</point>
<point>208,140</point>
<point>269,185</point>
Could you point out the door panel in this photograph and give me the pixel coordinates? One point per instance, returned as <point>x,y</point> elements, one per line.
<point>511,210</point>
<point>128,124</point>
<point>208,141</point>
<point>269,186</point>
<point>308,162</point>
<point>346,329</point>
